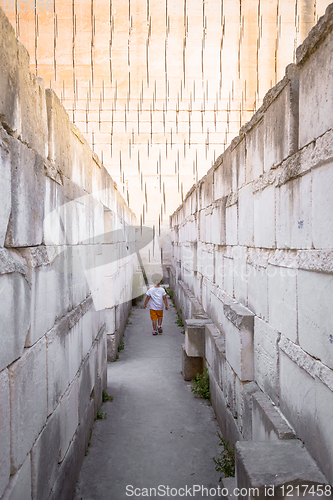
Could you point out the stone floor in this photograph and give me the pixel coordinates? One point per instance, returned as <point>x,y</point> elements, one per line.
<point>156,432</point>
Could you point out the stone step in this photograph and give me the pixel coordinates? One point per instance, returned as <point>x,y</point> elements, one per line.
<point>284,466</point>
<point>267,422</point>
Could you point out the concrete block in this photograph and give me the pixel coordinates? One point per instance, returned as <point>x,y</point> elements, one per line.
<point>315,315</point>
<point>255,147</point>
<point>229,390</point>
<point>5,185</point>
<point>28,188</point>
<point>264,218</point>
<point>266,358</point>
<point>15,314</point>
<point>206,188</point>
<point>298,400</point>
<point>324,437</point>
<point>102,353</point>
<point>54,220</point>
<point>258,291</point>
<point>4,431</point>
<point>87,379</point>
<point>249,389</point>
<point>215,352</point>
<point>191,365</point>
<point>238,159</point>
<point>322,205</point>
<point>224,417</point>
<point>246,216</point>
<point>111,347</point>
<point>68,471</point>
<point>28,401</point>
<point>239,403</point>
<point>275,464</point>
<point>19,486</point>
<point>316,94</point>
<point>228,278</point>
<point>282,300</point>
<point>277,123</point>
<point>85,327</point>
<point>224,176</point>
<point>9,74</point>
<point>57,364</point>
<point>222,183</point>
<point>46,296</point>
<point>267,422</point>
<point>205,262</point>
<point>219,268</point>
<point>218,224</point>
<point>45,457</point>
<point>69,417</point>
<point>240,274</point>
<point>231,225</point>
<point>239,340</point>
<point>195,337</point>
<point>293,214</point>
<point>75,349</point>
<point>64,352</point>
<point>60,138</point>
<point>32,103</point>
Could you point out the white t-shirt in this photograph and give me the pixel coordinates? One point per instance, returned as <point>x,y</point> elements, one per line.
<point>156,294</point>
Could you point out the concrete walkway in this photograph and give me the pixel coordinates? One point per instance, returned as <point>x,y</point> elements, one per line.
<point>156,432</point>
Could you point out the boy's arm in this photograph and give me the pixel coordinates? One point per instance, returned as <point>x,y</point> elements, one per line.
<point>146,302</point>
<point>165,302</point>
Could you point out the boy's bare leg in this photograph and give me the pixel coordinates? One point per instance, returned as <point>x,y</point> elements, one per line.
<point>155,325</point>
<point>159,321</point>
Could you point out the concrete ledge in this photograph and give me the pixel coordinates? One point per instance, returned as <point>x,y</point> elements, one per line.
<point>267,423</point>
<point>275,464</point>
<point>191,365</point>
<point>195,336</point>
<point>239,315</point>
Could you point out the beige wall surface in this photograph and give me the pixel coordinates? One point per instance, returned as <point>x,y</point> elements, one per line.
<point>160,87</point>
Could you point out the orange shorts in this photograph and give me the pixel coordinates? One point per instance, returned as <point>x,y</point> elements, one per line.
<point>156,314</point>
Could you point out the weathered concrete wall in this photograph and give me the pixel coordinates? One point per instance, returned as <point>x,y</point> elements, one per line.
<point>253,244</point>
<point>62,289</point>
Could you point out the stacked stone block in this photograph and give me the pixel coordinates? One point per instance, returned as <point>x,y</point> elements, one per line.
<point>60,282</point>
<point>263,267</point>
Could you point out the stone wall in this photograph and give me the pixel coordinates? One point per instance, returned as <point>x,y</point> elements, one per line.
<point>252,245</point>
<point>64,286</point>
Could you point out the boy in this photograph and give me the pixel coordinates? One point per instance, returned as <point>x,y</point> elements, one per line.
<point>157,296</point>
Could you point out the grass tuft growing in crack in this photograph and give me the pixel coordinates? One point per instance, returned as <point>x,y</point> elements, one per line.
<point>225,463</point>
<point>200,387</point>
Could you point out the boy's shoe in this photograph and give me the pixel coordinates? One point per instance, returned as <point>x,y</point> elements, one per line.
<point>155,332</point>
<point>160,330</point>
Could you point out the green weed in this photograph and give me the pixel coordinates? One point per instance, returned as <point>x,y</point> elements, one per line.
<point>106,397</point>
<point>225,464</point>
<point>100,414</point>
<point>200,386</point>
<point>121,346</point>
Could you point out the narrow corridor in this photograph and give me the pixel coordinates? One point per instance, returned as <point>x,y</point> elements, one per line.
<point>156,432</point>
